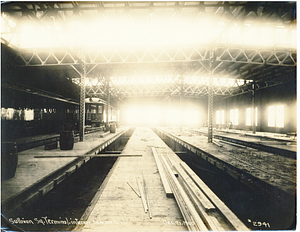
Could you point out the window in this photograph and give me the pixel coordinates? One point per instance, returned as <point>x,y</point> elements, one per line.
<point>222,117</point>
<point>234,117</point>
<point>249,116</point>
<point>29,115</point>
<point>276,116</point>
<point>271,116</point>
<point>279,116</point>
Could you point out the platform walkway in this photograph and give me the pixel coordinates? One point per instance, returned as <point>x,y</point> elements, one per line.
<point>271,140</point>
<point>276,170</point>
<point>31,170</point>
<point>118,207</point>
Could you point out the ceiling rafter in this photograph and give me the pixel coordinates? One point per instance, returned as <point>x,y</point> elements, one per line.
<point>232,60</point>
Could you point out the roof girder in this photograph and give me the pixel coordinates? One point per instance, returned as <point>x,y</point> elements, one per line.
<point>194,59</point>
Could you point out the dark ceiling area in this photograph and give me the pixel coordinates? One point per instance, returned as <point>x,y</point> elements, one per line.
<point>147,49</point>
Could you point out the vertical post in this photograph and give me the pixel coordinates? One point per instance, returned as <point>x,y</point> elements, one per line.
<point>107,102</point>
<point>253,108</point>
<point>169,112</point>
<point>210,97</point>
<point>118,113</point>
<point>181,102</point>
<point>82,101</point>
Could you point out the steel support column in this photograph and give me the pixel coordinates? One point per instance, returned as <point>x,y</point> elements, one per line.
<point>210,97</point>
<point>82,101</point>
<point>168,113</point>
<point>181,103</point>
<point>253,108</point>
<point>107,102</point>
<point>118,113</point>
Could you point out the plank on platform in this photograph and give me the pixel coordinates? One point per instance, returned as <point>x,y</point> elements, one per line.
<point>162,174</point>
<point>120,206</point>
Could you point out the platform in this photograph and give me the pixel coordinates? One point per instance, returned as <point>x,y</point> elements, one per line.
<point>33,173</point>
<point>270,142</point>
<point>289,137</point>
<point>273,169</point>
<point>119,208</point>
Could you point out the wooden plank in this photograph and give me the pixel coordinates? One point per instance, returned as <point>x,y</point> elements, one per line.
<point>188,207</point>
<point>162,174</point>
<point>104,134</point>
<point>206,203</point>
<point>110,152</point>
<point>227,213</point>
<point>134,190</point>
<point>217,143</point>
<point>202,204</point>
<point>142,193</point>
<point>75,156</point>
<point>147,198</point>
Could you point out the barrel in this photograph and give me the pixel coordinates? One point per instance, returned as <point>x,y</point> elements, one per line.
<point>113,128</point>
<point>66,140</point>
<point>9,160</point>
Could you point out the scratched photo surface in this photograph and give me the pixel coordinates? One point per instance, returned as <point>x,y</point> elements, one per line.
<point>148,116</point>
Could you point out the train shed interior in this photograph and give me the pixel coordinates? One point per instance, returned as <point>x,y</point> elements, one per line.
<point>181,115</point>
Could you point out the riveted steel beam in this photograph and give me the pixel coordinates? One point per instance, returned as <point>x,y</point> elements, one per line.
<point>187,55</point>
<point>210,97</point>
<point>82,101</point>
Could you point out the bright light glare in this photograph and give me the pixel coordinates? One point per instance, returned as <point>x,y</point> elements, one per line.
<point>142,80</point>
<point>145,115</point>
<point>151,33</point>
<point>29,115</point>
<point>30,37</point>
<point>173,116</point>
<point>158,116</point>
<point>133,116</point>
<point>191,117</point>
<point>276,116</point>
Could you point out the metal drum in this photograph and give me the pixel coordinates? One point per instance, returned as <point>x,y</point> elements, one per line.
<point>66,140</point>
<point>9,160</point>
<point>113,128</point>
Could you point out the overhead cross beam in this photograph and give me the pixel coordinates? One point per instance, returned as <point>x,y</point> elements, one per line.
<point>174,55</point>
<point>232,59</point>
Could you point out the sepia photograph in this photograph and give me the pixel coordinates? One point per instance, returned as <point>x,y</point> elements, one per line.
<point>148,116</point>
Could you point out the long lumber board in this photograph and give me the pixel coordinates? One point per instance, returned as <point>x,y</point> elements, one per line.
<point>167,188</point>
<point>203,205</point>
<point>227,213</point>
<point>76,156</point>
<point>187,208</point>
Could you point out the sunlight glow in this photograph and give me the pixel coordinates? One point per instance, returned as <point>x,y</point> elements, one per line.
<point>151,115</point>
<point>191,117</point>
<point>168,79</point>
<point>154,32</point>
<point>276,116</point>
<point>173,116</point>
